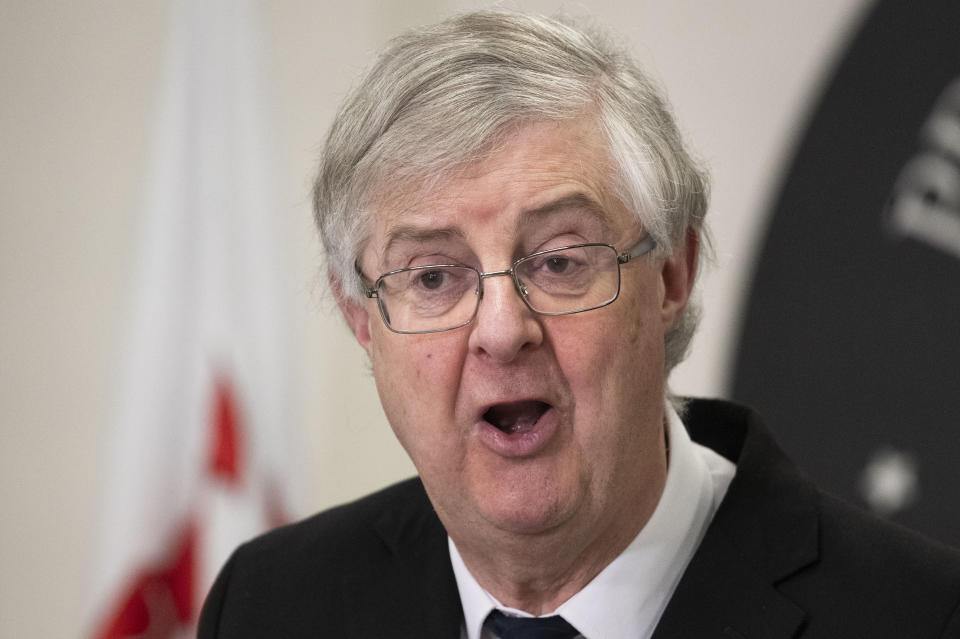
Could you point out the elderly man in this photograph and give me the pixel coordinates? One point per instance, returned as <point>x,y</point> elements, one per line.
<point>513,227</point>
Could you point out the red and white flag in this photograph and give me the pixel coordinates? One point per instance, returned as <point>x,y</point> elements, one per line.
<point>202,453</point>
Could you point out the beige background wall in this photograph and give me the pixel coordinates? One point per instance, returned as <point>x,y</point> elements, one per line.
<point>79,80</point>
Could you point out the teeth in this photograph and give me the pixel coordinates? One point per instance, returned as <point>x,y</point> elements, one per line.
<point>516,417</point>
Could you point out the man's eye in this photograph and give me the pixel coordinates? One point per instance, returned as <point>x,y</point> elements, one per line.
<point>432,280</point>
<point>558,264</point>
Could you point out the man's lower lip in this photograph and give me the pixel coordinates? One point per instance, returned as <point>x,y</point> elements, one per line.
<point>522,444</point>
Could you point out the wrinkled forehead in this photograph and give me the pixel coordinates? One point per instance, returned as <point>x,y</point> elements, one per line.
<point>546,177</point>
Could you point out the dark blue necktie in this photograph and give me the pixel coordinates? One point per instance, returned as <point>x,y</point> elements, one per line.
<point>506,627</point>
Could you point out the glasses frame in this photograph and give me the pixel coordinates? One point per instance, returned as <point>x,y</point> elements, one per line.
<point>645,245</point>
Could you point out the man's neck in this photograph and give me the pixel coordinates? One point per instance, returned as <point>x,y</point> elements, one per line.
<point>536,573</point>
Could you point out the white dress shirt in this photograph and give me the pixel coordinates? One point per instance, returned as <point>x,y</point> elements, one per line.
<point>627,598</point>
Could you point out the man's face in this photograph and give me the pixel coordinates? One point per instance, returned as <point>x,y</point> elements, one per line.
<point>518,422</point>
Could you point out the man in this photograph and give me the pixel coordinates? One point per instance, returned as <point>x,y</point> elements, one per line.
<point>513,228</point>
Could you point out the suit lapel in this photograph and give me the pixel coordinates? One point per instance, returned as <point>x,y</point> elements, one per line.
<point>721,595</point>
<point>765,530</point>
<point>409,589</point>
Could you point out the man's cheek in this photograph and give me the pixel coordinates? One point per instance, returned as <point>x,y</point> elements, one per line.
<point>584,355</point>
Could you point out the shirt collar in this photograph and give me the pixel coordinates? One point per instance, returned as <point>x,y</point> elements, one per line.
<point>626,599</point>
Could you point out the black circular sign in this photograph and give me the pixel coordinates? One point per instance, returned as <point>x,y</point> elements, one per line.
<point>850,345</point>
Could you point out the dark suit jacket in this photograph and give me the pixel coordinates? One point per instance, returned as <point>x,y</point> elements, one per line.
<point>780,559</point>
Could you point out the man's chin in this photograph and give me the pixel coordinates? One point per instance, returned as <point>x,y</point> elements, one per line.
<point>528,498</point>
<point>524,515</point>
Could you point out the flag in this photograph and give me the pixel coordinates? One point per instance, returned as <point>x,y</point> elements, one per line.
<point>201,455</point>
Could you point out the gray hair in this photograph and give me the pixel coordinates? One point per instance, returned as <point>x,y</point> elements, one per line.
<point>439,98</point>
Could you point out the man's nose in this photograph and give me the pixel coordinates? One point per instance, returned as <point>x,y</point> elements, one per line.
<point>504,325</point>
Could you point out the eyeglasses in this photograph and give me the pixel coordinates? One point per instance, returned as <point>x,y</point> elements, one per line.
<point>560,281</point>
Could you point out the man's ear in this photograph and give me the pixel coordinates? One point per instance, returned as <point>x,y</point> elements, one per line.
<point>358,319</point>
<point>678,274</point>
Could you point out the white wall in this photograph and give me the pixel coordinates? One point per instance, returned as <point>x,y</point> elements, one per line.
<point>79,80</point>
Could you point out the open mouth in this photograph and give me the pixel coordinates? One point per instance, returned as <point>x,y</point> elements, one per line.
<point>516,417</point>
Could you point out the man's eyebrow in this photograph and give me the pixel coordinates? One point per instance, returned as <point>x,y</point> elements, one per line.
<point>578,201</point>
<point>420,235</point>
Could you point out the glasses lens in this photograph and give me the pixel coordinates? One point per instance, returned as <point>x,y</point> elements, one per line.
<point>570,280</point>
<point>428,298</point>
